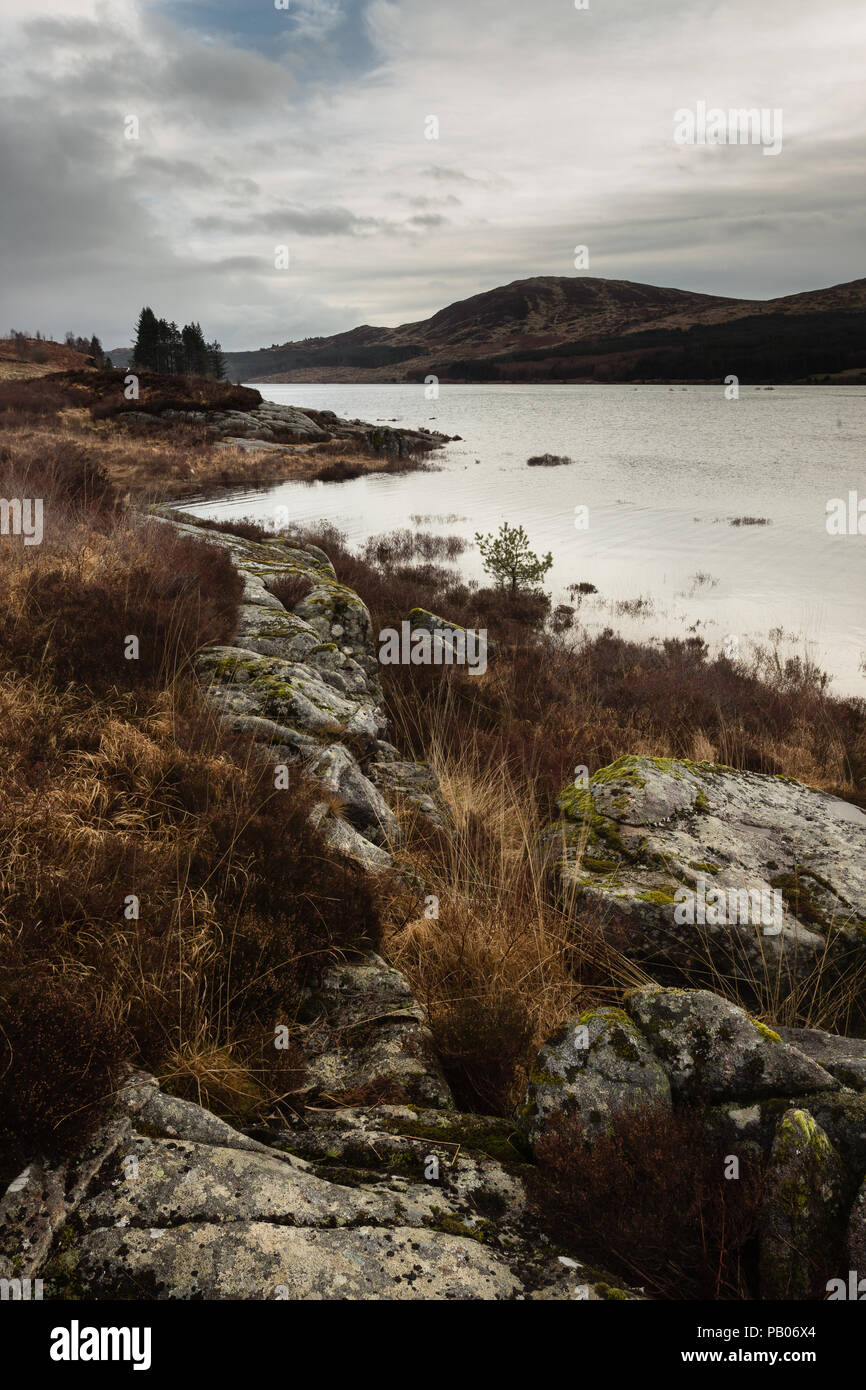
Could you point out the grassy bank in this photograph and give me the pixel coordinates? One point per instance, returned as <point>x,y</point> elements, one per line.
<point>501,965</point>
<point>149,459</point>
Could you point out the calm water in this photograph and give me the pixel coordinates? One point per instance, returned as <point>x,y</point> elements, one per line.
<point>662,471</point>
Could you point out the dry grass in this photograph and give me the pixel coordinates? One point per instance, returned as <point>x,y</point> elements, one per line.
<point>160,901</point>
<point>165,462</point>
<point>651,1203</point>
<point>114,781</point>
<point>498,966</point>
<point>501,966</point>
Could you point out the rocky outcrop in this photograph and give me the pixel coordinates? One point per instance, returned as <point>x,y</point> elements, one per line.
<point>373,1185</point>
<point>769,1102</point>
<point>389,1201</point>
<point>303,682</point>
<point>844,1058</point>
<point>366,1033</point>
<point>711,1049</point>
<point>697,867</point>
<point>801,1216</point>
<point>270,423</point>
<point>594,1070</point>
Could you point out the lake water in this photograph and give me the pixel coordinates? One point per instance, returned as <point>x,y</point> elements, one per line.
<point>662,470</point>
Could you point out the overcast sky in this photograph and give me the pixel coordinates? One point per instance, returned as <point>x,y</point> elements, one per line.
<point>305,127</point>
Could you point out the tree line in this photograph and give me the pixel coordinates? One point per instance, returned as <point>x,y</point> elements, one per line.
<point>163,347</point>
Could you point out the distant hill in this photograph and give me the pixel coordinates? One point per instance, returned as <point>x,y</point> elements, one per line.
<point>555,329</point>
<point>22,358</point>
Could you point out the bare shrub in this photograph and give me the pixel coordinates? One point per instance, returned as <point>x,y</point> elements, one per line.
<point>651,1202</point>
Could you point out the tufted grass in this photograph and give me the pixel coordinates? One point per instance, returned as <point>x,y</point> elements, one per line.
<point>116,783</point>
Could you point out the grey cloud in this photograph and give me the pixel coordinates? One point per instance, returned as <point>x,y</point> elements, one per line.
<point>551,136</point>
<point>275,221</point>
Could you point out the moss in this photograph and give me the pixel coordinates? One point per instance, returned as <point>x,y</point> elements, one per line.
<point>607,1291</point>
<point>497,1140</point>
<point>453,1226</point>
<point>765,1032</point>
<point>599,866</point>
<point>815,901</point>
<point>663,896</point>
<point>417,613</point>
<point>705,865</point>
<point>623,770</point>
<point>539,1077</point>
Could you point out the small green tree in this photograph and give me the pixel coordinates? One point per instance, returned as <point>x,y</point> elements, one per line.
<point>509,561</point>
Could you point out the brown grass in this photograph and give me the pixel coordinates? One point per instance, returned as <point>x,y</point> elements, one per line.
<point>652,1204</point>
<point>117,784</point>
<point>113,780</point>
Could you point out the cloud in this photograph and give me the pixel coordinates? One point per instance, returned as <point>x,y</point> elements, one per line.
<point>309,126</point>
<point>303,222</point>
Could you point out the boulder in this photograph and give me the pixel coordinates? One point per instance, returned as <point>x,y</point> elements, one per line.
<point>844,1058</point>
<point>773,873</point>
<point>338,772</point>
<point>344,838</point>
<point>594,1069</point>
<point>367,1035</point>
<point>414,785</point>
<point>801,1211</point>
<point>340,616</point>
<point>712,1050</point>
<point>242,682</point>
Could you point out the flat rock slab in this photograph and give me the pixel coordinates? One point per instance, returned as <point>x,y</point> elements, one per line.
<point>171,1182</point>
<point>649,836</point>
<point>254,446</point>
<point>259,1260</point>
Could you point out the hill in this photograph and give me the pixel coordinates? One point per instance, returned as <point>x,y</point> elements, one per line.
<point>23,358</point>
<point>561,329</point>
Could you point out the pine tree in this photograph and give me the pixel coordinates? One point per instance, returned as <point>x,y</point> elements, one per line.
<point>163,347</point>
<point>195,351</point>
<point>217,361</point>
<point>146,350</point>
<point>510,562</point>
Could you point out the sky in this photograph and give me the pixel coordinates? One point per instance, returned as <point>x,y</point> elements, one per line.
<point>268,170</point>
